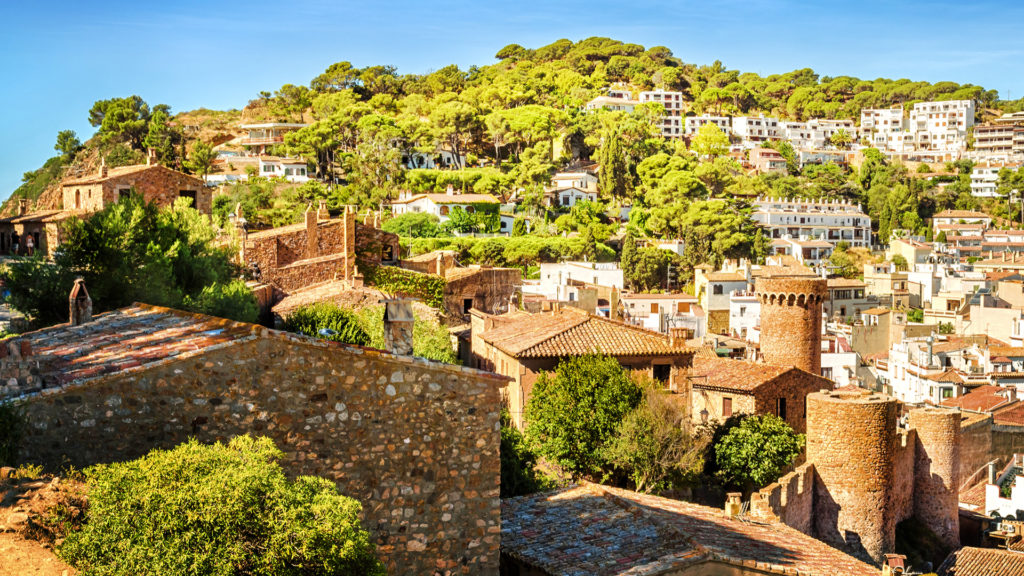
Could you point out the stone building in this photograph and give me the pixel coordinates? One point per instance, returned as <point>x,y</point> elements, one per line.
<point>156,183</point>
<point>415,441</point>
<point>600,530</point>
<point>521,345</point>
<point>722,387</point>
<point>864,474</point>
<point>490,290</point>
<point>791,300</point>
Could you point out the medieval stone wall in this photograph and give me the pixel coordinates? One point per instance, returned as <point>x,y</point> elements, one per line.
<point>791,321</point>
<point>415,442</point>
<point>902,496</point>
<point>790,500</point>
<point>937,471</point>
<point>976,447</point>
<point>793,387</point>
<point>83,197</point>
<point>489,290</point>
<point>157,184</point>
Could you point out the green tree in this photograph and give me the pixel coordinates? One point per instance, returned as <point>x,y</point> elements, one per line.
<point>328,321</point>
<point>841,139</point>
<point>122,120</point>
<point>753,452</point>
<point>574,413</point>
<point>710,141</point>
<point>654,446</point>
<point>220,510</point>
<point>519,474</point>
<point>68,145</point>
<point>232,300</point>
<point>200,158</point>
<point>614,176</point>
<point>414,225</point>
<point>460,220</point>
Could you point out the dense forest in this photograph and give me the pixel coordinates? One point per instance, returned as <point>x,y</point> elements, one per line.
<point>516,121</point>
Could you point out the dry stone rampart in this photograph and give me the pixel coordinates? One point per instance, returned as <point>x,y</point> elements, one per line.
<point>415,442</point>
<point>790,500</point>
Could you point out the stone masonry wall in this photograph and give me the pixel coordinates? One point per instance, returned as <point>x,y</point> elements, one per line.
<point>19,369</point>
<point>793,386</point>
<point>902,497</point>
<point>937,472</point>
<point>416,442</point>
<point>712,400</point>
<point>851,442</point>
<point>791,321</point>
<point>975,445</point>
<point>490,289</point>
<point>790,500</point>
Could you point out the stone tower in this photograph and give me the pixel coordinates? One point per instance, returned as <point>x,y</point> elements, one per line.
<point>791,300</point>
<point>937,471</point>
<point>852,443</point>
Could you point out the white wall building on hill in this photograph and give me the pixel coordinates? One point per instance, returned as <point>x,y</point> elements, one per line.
<point>831,220</point>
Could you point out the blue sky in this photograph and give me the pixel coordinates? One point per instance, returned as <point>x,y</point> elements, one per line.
<point>60,57</point>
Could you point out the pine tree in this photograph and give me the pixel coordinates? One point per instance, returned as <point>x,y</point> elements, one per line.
<point>628,258</point>
<point>613,181</point>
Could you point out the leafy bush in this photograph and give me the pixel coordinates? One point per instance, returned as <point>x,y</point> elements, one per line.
<point>414,225</point>
<point>232,300</point>
<point>12,423</point>
<point>752,450</point>
<point>430,339</point>
<point>328,321</point>
<point>574,413</point>
<point>427,287</point>
<point>218,510</point>
<point>519,474</point>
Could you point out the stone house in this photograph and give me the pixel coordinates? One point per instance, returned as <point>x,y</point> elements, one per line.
<point>415,441</point>
<point>156,183</point>
<point>43,226</point>
<point>490,290</point>
<point>521,345</point>
<point>723,387</point>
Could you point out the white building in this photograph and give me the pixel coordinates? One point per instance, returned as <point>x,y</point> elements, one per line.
<point>568,188</point>
<point>615,103</point>
<point>434,161</point>
<point>754,130</point>
<point>941,126</point>
<point>692,124</point>
<point>672,122</point>
<point>878,125</point>
<point>984,178</point>
<point>744,313</point>
<point>663,312</point>
<point>1013,476</point>
<point>925,369</point>
<point>555,278</point>
<point>831,220</point>
<point>291,169</point>
<point>440,205</point>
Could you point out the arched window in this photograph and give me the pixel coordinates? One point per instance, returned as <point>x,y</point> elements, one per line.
<point>444,210</point>
<point>470,209</point>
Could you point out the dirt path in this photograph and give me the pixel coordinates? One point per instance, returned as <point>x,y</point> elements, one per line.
<point>20,557</point>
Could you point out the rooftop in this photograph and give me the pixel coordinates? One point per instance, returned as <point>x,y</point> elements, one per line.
<point>961,214</point>
<point>112,173</point>
<point>599,530</point>
<point>573,332</point>
<point>451,198</point>
<point>1009,415</point>
<point>845,283</point>
<point>731,375</point>
<point>981,399</point>
<point>969,561</point>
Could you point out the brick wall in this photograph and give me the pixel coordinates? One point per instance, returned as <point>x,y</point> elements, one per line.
<point>416,442</point>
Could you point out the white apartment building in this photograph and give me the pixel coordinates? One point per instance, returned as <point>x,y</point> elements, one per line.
<point>831,220</point>
<point>692,124</point>
<point>984,177</point>
<point>922,370</point>
<point>672,121</point>
<point>877,125</point>
<point>568,188</point>
<point>615,103</point>
<point>754,130</point>
<point>815,134</point>
<point>440,205</point>
<point>941,126</point>
<point>663,312</point>
<point>744,313</point>
<point>291,169</point>
<point>555,278</point>
<point>808,251</point>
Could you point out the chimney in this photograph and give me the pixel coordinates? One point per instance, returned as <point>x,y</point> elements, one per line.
<point>22,206</point>
<point>992,472</point>
<point>103,167</point>
<point>733,504</point>
<point>398,324</point>
<point>322,213</point>
<point>312,242</point>
<point>79,303</point>
<point>151,157</point>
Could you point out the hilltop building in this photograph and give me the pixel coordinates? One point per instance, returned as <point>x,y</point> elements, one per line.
<point>266,134</point>
<point>830,220</point>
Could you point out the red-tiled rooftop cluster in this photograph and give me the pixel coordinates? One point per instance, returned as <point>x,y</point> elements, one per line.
<point>970,561</point>
<point>733,375</point>
<point>601,530</point>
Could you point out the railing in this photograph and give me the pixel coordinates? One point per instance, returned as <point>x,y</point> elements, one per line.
<point>261,141</point>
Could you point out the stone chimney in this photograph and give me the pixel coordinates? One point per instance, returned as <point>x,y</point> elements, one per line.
<point>312,241</point>
<point>79,303</point>
<point>22,206</point>
<point>733,504</point>
<point>321,212</point>
<point>151,157</point>
<point>398,324</point>
<point>103,168</point>
<point>991,472</point>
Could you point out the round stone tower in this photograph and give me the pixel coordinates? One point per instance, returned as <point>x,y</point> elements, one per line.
<point>937,471</point>
<point>791,320</point>
<point>851,441</point>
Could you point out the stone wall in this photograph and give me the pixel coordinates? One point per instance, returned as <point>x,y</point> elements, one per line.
<point>83,197</point>
<point>19,369</point>
<point>793,386</point>
<point>490,290</point>
<point>416,442</point>
<point>712,400</point>
<point>156,184</point>
<point>376,246</point>
<point>791,321</point>
<point>901,500</point>
<point>718,322</point>
<point>790,500</point>
<point>937,472</point>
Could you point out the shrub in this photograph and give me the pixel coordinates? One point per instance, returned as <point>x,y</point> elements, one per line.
<point>12,423</point>
<point>414,225</point>
<point>328,321</point>
<point>217,510</point>
<point>427,287</point>
<point>232,300</point>
<point>519,474</point>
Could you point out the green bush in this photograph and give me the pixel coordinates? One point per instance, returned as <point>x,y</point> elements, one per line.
<point>218,510</point>
<point>232,300</point>
<point>313,318</point>
<point>519,474</point>
<point>12,423</point>
<point>427,287</point>
<point>430,339</point>
<point>413,225</point>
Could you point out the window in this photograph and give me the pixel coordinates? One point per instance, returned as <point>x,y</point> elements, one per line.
<point>662,373</point>
<point>780,408</point>
<point>467,305</point>
<point>716,289</point>
<point>268,167</point>
<point>470,209</point>
<point>190,194</point>
<point>123,194</point>
<point>78,199</point>
<point>654,307</point>
<point>726,407</point>
<point>946,392</point>
<point>444,210</point>
<point>682,307</point>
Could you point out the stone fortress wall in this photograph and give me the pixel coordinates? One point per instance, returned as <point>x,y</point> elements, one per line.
<point>416,442</point>
<point>791,320</point>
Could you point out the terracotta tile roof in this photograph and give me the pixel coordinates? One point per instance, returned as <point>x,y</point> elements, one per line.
<point>951,345</point>
<point>949,375</point>
<point>599,530</point>
<point>969,561</point>
<point>39,216</point>
<point>812,243</point>
<point>876,311</point>
<point>981,399</point>
<point>1011,415</point>
<point>112,173</point>
<point>961,214</point>
<point>733,375</point>
<point>845,283</point>
<point>974,495</point>
<point>726,277</point>
<point>572,332</point>
<point>451,199</point>
<point>1008,351</point>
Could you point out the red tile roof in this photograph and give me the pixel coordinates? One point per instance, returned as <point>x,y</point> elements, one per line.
<point>452,199</point>
<point>961,214</point>
<point>601,530</point>
<point>572,332</point>
<point>736,375</point>
<point>1010,415</point>
<point>970,561</point>
<point>982,399</point>
<point>949,375</point>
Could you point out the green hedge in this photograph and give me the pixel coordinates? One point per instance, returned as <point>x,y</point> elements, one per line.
<point>516,252</point>
<point>427,287</point>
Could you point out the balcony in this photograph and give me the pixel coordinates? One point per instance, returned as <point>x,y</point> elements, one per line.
<point>268,140</point>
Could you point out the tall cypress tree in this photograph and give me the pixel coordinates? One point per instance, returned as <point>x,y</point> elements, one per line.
<point>613,179</point>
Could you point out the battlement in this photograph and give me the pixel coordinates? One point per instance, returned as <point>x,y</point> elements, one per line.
<point>789,500</point>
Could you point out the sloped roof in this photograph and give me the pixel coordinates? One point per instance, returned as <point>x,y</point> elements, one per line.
<point>113,173</point>
<point>970,561</point>
<point>950,376</point>
<point>599,530</point>
<point>733,375</point>
<point>726,277</point>
<point>961,214</point>
<point>452,199</point>
<point>981,399</point>
<point>1008,351</point>
<point>573,332</point>
<point>1009,415</point>
<point>845,283</point>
